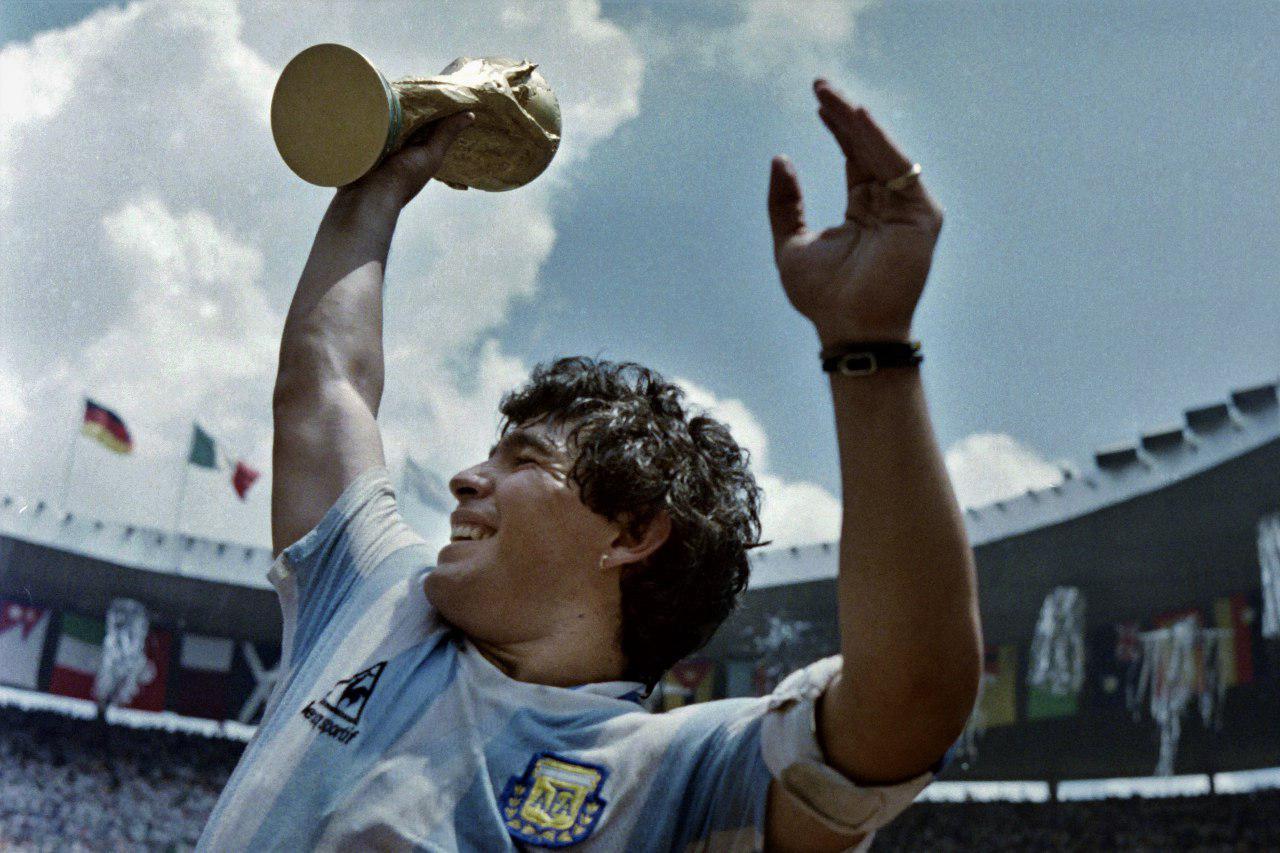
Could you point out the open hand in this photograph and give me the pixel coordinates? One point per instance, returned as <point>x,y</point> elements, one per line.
<point>860,280</point>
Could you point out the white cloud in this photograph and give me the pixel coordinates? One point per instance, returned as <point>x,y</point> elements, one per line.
<point>770,45</point>
<point>988,467</point>
<point>773,33</point>
<point>153,237</point>
<point>792,512</point>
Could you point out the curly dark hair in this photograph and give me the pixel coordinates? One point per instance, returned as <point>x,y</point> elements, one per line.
<point>639,450</point>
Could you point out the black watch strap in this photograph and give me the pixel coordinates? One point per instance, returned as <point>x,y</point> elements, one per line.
<point>862,359</point>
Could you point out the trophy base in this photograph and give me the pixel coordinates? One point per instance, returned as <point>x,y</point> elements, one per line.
<point>333,115</point>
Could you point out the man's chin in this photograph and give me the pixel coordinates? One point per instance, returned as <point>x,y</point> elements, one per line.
<point>447,586</point>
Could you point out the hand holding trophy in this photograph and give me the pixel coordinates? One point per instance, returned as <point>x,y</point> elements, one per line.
<point>335,117</point>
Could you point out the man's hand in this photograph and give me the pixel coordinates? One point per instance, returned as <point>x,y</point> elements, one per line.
<point>403,175</point>
<point>862,279</point>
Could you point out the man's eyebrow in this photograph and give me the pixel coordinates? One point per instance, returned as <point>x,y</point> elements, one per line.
<point>520,438</point>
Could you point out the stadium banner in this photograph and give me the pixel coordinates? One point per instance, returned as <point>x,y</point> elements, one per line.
<point>204,676</point>
<point>22,633</point>
<point>689,681</point>
<point>999,686</point>
<point>1044,704</point>
<point>1114,663</point>
<point>1168,620</point>
<point>151,690</point>
<point>78,656</point>
<point>1236,649</point>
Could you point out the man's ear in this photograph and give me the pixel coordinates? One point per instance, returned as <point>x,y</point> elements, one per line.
<point>634,546</point>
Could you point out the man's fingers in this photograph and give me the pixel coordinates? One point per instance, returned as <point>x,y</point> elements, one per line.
<point>861,139</point>
<point>444,132</point>
<point>786,204</point>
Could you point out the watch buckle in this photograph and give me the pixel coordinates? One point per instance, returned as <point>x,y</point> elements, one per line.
<point>857,364</point>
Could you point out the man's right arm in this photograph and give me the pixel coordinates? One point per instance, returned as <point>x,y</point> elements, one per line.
<point>329,381</point>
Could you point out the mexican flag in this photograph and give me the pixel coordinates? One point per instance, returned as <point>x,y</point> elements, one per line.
<point>22,632</point>
<point>204,676</point>
<point>79,653</point>
<point>205,452</point>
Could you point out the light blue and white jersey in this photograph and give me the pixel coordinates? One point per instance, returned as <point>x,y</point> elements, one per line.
<point>389,730</point>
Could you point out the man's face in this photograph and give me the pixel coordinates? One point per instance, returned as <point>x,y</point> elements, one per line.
<point>525,550</point>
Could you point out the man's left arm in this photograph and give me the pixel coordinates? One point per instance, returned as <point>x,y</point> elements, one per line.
<point>909,629</point>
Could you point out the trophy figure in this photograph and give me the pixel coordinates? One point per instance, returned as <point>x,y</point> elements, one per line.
<point>334,117</point>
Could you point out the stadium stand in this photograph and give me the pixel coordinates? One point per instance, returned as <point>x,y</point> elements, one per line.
<point>70,784</point>
<point>1222,822</point>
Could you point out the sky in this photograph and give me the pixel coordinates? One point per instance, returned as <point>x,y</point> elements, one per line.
<point>1109,256</point>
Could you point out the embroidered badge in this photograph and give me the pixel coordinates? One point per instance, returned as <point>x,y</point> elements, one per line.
<point>555,803</point>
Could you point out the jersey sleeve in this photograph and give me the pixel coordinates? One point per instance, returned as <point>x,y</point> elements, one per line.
<point>316,574</point>
<point>724,755</point>
<point>789,744</point>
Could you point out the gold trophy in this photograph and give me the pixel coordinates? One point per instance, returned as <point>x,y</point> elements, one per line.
<point>334,117</point>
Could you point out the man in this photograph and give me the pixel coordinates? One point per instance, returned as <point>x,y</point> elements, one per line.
<point>489,702</point>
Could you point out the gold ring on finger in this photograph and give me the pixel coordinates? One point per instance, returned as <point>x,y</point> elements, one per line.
<point>904,180</point>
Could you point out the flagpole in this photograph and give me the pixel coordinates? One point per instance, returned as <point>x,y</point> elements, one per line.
<point>177,510</point>
<point>71,461</point>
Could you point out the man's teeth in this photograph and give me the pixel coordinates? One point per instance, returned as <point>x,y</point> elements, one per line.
<point>469,531</point>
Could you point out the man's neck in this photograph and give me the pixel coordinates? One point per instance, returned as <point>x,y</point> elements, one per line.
<point>580,653</point>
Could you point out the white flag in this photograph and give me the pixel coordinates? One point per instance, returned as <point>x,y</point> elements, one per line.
<point>22,631</point>
<point>427,487</point>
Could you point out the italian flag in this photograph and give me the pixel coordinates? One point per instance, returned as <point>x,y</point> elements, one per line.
<point>79,654</point>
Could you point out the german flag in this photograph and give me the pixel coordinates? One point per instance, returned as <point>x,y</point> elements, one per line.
<point>105,427</point>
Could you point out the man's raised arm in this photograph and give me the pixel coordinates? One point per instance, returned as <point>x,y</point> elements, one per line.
<point>909,629</point>
<point>329,381</point>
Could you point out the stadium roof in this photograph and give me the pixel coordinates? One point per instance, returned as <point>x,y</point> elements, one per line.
<point>132,546</point>
<point>1209,436</point>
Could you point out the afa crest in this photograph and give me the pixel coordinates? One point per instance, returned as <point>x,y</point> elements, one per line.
<point>555,803</point>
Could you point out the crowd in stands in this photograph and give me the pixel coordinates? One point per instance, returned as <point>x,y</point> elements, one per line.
<point>77,785</point>
<point>1217,822</point>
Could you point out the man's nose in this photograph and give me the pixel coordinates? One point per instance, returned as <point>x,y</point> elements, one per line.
<point>474,482</point>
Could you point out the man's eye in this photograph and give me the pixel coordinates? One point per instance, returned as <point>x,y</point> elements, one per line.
<point>522,460</point>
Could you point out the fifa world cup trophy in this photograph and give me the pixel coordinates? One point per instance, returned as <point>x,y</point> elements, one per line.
<point>334,117</point>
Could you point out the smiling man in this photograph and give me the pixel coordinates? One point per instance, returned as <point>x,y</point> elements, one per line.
<point>486,697</point>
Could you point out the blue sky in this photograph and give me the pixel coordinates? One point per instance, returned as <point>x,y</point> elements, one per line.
<point>1109,172</point>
